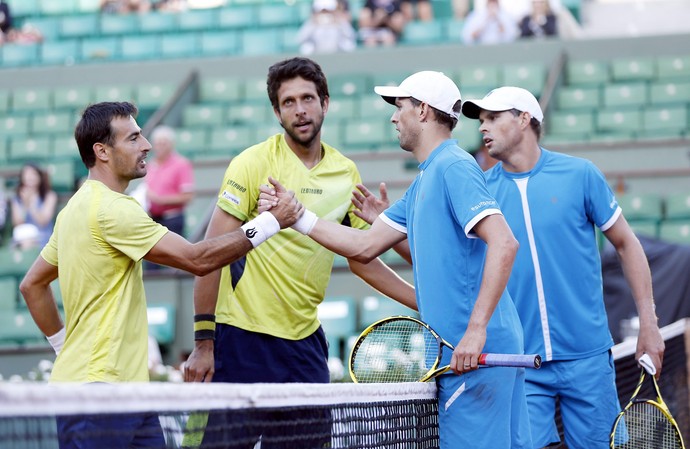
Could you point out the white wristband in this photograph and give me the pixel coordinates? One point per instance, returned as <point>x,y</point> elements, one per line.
<point>261,228</point>
<point>306,222</point>
<point>57,340</point>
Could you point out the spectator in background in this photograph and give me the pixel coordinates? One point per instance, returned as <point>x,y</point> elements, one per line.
<point>328,30</point>
<point>33,208</point>
<point>418,9</point>
<point>540,22</point>
<point>169,181</point>
<point>125,6</point>
<point>491,25</point>
<point>381,22</point>
<point>5,20</point>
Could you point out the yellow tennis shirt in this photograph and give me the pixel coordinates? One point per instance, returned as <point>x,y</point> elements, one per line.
<point>277,287</point>
<point>98,243</point>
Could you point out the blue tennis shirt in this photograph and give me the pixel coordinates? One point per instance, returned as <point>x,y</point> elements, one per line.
<point>438,211</point>
<point>556,281</point>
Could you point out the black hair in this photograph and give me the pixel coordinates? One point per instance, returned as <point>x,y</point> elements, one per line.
<point>292,68</point>
<point>94,127</point>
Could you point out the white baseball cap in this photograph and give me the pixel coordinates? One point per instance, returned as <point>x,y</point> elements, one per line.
<point>504,99</point>
<point>432,88</point>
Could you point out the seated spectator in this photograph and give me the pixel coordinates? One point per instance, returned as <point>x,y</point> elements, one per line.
<point>418,10</point>
<point>171,5</point>
<point>5,18</point>
<point>491,25</point>
<point>125,6</point>
<point>33,208</point>
<point>381,22</point>
<point>327,30</point>
<point>540,22</point>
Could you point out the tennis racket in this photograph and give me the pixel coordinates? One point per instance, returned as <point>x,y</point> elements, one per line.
<point>405,349</point>
<point>644,423</point>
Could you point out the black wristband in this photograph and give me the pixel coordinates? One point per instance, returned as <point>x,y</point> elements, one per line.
<point>204,327</point>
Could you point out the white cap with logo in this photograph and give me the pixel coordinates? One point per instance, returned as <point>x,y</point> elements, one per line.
<point>432,88</point>
<point>504,99</point>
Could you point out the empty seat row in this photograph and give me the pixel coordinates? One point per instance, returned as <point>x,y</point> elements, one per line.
<point>634,93</point>
<point>649,68</point>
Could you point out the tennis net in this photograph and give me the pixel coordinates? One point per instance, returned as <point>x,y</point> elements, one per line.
<point>394,416</point>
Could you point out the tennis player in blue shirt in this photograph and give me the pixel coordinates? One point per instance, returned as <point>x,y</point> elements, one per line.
<point>462,253</point>
<point>553,202</point>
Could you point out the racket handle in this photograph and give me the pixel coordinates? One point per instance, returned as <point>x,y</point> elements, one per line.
<point>513,360</point>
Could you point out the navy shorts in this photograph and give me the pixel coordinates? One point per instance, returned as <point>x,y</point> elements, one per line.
<point>250,357</point>
<point>142,430</point>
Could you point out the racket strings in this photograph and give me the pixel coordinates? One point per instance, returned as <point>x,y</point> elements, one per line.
<point>395,351</point>
<point>646,426</point>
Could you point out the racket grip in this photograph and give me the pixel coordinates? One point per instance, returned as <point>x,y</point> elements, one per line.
<point>513,360</point>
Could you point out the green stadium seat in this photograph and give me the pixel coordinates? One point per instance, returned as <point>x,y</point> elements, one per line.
<point>374,308</point>
<point>422,33</point>
<point>671,67</point>
<point>619,120</point>
<point>332,135</point>
<point>62,174</point>
<point>289,39</point>
<point>213,43</point>
<point>677,206</point>
<point>254,88</point>
<point>153,95</point>
<point>249,112</point>
<point>140,47</point>
<point>260,41</point>
<point>14,262</point>
<point>198,20</point>
<point>48,25</point>
<point>73,97</point>
<point>587,72</point>
<point>192,141</point>
<point>175,45</point>
<point>575,122</point>
<point>59,7</point>
<point>8,294</point>
<point>648,229</point>
<point>215,89</point>
<point>62,52</point>
<point>64,146</point>
<point>277,15</point>
<point>79,26</point>
<point>641,207</point>
<point>385,79</point>
<point>19,327</point>
<point>31,99</point>
<point>468,135</point>
<point>196,213</point>
<point>670,92</point>
<point>15,55</point>
<point>119,24</point>
<point>530,76</point>
<point>480,78</point>
<point>625,94</point>
<point>342,108</point>
<point>203,115</point>
<point>373,106</point>
<point>236,16</point>
<point>158,22</point>
<point>161,320</point>
<point>29,8</point>
<point>4,101</point>
<point>338,317</point>
<point>232,140</point>
<point>670,119</point>
<point>14,125</point>
<point>365,134</point>
<point>349,85</point>
<point>100,48</point>
<point>57,293</point>
<point>675,232</point>
<point>51,122</point>
<point>29,148</point>
<point>454,29</point>
<point>578,97</point>
<point>633,69</point>
<point>114,92</point>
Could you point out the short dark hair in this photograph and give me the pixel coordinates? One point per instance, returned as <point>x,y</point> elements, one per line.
<point>292,68</point>
<point>533,123</point>
<point>442,117</point>
<point>94,126</point>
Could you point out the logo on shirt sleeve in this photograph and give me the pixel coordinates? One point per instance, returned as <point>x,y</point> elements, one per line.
<point>230,197</point>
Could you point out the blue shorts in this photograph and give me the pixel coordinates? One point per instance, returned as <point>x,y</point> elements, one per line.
<point>250,357</point>
<point>586,390</point>
<point>124,431</point>
<point>484,409</point>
